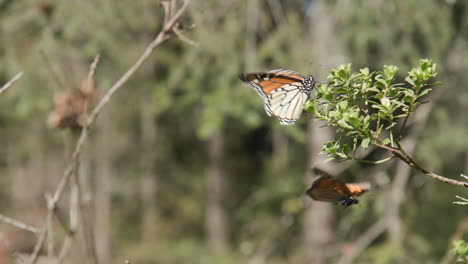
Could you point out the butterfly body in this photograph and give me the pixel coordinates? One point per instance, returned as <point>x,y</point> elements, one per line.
<point>284,92</point>
<point>329,189</point>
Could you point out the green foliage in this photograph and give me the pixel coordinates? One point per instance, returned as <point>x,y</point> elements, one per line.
<point>365,106</point>
<point>460,249</point>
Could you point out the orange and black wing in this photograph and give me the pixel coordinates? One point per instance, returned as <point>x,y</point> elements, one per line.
<point>283,92</point>
<point>329,189</point>
<point>265,82</point>
<point>356,189</point>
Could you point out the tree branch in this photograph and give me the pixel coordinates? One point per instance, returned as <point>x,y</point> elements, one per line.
<point>408,160</point>
<point>463,201</point>
<point>400,154</point>
<point>11,82</point>
<point>19,224</point>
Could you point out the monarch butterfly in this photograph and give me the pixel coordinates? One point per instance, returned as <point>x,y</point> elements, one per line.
<point>329,189</point>
<point>283,91</point>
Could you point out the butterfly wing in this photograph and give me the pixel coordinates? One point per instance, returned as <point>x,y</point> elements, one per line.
<point>356,189</point>
<point>265,82</point>
<point>327,189</point>
<point>282,91</point>
<point>287,102</point>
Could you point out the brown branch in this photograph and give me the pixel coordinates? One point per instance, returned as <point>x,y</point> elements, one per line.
<point>408,160</point>
<point>94,114</point>
<point>11,82</point>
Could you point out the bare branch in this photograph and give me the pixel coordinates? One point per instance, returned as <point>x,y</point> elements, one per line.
<point>19,224</point>
<point>182,37</point>
<point>431,174</point>
<point>464,176</point>
<point>11,82</point>
<point>170,24</point>
<point>463,201</point>
<point>400,154</point>
<point>92,69</point>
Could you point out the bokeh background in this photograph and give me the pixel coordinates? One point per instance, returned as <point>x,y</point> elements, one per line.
<point>184,166</point>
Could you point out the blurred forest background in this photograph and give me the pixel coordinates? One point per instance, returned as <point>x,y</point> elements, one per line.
<point>184,166</point>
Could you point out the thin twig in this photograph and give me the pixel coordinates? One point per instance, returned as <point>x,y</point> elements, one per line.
<point>94,114</point>
<point>461,198</point>
<point>11,82</point>
<point>92,70</point>
<point>182,37</point>
<point>19,224</point>
<point>463,201</point>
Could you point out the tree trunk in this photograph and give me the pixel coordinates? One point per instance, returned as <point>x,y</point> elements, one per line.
<point>216,213</point>
<point>319,217</point>
<point>103,187</point>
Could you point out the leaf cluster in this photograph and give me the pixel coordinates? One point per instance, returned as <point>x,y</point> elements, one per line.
<point>460,249</point>
<point>366,106</point>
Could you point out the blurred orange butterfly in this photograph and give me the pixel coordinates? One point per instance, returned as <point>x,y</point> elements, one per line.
<point>283,91</point>
<point>329,189</point>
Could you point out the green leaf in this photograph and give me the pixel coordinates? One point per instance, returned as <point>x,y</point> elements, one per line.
<point>343,123</point>
<point>424,92</point>
<point>309,106</point>
<point>365,143</point>
<point>343,105</point>
<point>364,71</point>
<point>410,81</point>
